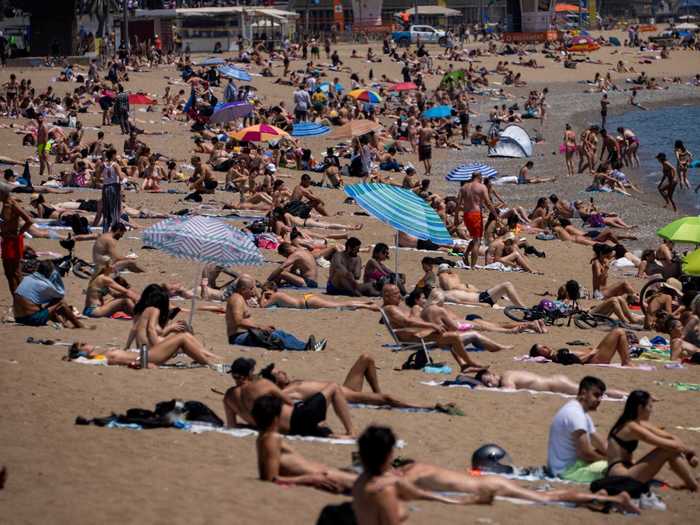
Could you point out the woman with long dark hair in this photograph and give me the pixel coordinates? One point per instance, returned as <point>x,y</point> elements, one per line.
<point>632,427</point>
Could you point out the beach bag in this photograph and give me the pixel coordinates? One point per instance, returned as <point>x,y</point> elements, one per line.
<point>265,339</point>
<point>258,226</point>
<point>189,411</point>
<point>614,485</point>
<point>337,515</point>
<point>566,358</point>
<point>417,361</point>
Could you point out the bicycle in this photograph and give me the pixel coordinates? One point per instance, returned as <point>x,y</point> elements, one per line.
<point>536,313</point>
<point>65,264</point>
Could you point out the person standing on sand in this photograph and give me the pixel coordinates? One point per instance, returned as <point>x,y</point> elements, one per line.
<point>604,103</point>
<point>42,146</point>
<point>470,199</point>
<point>12,237</point>
<point>668,182</point>
<point>569,146</point>
<point>425,149</point>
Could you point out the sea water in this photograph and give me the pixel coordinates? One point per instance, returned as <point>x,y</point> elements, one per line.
<point>658,130</point>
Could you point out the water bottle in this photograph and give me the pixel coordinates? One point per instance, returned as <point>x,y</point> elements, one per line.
<point>143,356</point>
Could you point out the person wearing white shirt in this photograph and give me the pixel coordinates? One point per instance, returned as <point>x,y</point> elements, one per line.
<point>575,451</point>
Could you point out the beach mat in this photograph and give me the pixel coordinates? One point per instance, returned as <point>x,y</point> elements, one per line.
<point>453,384</point>
<point>540,359</point>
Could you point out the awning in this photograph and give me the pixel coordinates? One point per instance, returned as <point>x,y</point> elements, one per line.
<point>434,10</point>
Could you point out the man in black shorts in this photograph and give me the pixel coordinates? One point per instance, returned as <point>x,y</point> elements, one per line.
<point>425,149</point>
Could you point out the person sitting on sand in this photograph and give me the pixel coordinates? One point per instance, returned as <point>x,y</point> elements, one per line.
<point>39,299</point>
<point>457,292</point>
<point>412,329</point>
<point>522,380</point>
<point>615,342</point>
<point>303,194</point>
<point>271,297</point>
<point>242,330</point>
<point>600,266</point>
<point>633,427</point>
<point>524,175</point>
<point>303,418</point>
<point>346,270</point>
<point>164,338</point>
<point>101,285</point>
<point>299,268</point>
<point>106,247</point>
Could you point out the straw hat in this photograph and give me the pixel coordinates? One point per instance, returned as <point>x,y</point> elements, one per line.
<point>674,285</point>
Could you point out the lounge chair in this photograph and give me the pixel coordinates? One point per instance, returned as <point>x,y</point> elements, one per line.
<point>407,346</point>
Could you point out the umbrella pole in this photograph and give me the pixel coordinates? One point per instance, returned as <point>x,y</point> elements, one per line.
<point>197,280</point>
<point>396,243</point>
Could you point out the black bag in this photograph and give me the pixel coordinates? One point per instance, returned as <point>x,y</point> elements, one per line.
<point>695,359</point>
<point>565,357</point>
<point>265,339</point>
<point>298,209</point>
<point>417,361</point>
<point>259,226</point>
<point>337,515</point>
<point>614,485</point>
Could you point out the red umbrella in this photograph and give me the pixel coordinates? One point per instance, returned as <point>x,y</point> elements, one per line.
<point>139,99</point>
<point>403,86</point>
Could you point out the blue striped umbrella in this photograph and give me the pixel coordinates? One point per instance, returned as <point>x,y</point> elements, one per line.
<point>235,73</point>
<point>211,61</point>
<point>438,112</point>
<point>309,129</point>
<point>401,209</point>
<point>205,240</point>
<point>464,172</point>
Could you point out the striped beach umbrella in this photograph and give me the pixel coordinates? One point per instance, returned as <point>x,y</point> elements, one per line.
<point>309,129</point>
<point>366,95</point>
<point>204,240</point>
<point>401,209</point>
<point>464,172</point>
<point>258,133</point>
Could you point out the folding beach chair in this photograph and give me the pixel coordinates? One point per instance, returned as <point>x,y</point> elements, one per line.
<point>399,345</point>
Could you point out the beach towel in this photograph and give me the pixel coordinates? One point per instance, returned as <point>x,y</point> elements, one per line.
<point>681,387</point>
<point>539,359</point>
<point>448,409</point>
<point>468,386</point>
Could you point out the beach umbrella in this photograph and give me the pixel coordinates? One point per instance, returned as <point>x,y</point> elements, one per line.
<point>686,27</point>
<point>355,128</point>
<point>211,61</point>
<point>583,44</point>
<point>230,111</point>
<point>258,133</point>
<point>401,209</point>
<point>235,73</point>
<point>566,8</point>
<point>365,95</point>
<point>204,240</point>
<point>309,129</point>
<point>139,99</point>
<point>686,230</point>
<point>691,263</point>
<point>403,86</point>
<point>464,172</point>
<point>438,112</point>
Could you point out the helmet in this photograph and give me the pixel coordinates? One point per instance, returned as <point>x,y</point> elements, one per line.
<point>547,305</point>
<point>492,458</point>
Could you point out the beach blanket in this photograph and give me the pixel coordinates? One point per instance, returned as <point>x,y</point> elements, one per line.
<point>494,266</point>
<point>450,410</point>
<point>681,387</point>
<point>527,359</point>
<point>455,384</point>
<point>101,360</point>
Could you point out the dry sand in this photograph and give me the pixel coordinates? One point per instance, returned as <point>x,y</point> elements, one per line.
<point>59,472</point>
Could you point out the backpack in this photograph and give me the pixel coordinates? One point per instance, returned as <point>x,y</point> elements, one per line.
<point>417,361</point>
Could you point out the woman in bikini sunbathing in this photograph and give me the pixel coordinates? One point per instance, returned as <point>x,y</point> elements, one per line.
<point>271,297</point>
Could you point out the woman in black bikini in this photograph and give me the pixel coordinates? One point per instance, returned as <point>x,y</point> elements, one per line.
<point>632,427</point>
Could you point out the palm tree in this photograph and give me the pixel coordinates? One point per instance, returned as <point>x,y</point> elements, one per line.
<point>101,10</point>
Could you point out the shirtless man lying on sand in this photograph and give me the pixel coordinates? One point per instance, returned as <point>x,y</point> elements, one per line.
<point>301,418</point>
<point>615,342</point>
<point>413,329</point>
<point>521,380</point>
<point>364,368</point>
<point>280,463</point>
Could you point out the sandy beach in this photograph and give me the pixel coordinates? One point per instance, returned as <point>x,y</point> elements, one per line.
<point>62,473</point>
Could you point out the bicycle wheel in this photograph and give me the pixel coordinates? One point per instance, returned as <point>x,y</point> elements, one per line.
<point>584,321</point>
<point>520,314</point>
<point>83,269</point>
<point>648,290</point>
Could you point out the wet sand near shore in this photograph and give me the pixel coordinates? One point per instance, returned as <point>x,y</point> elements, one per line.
<point>59,472</point>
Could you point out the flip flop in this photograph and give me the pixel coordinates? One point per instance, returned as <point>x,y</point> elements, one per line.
<point>577,342</point>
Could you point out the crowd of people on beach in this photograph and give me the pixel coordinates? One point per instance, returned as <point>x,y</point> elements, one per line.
<point>281,194</point>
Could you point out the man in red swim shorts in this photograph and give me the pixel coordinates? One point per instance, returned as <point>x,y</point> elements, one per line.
<point>472,196</point>
<point>12,237</point>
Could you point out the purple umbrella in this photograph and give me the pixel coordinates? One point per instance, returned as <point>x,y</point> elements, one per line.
<point>230,111</point>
